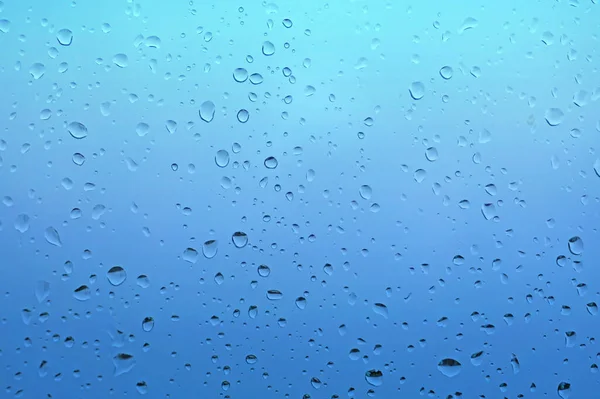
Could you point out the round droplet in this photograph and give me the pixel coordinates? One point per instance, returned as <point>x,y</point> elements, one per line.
<point>315,382</point>
<point>576,245</point>
<point>141,387</point>
<point>143,281</point>
<point>268,48</point>
<point>264,271</point>
<point>148,324</point>
<point>207,111</point>
<point>374,377</point>
<point>554,116</point>
<point>417,90</point>
<point>222,158</point>
<point>82,293</point>
<point>243,116</point>
<point>239,239</point>
<point>564,390</point>
<point>251,359</point>
<point>431,154</point>
<point>287,23</point>
<point>256,78</point>
<point>142,129</point>
<point>64,37</point>
<point>240,75</point>
<point>4,25</point>
<point>446,72</point>
<point>77,130</point>
<point>116,275</point>
<point>449,367</point>
<point>420,175</point>
<point>209,249</point>
<point>78,159</point>
<point>365,192</point>
<point>121,60</point>
<point>274,295</point>
<point>301,303</point>
<point>190,255</point>
<point>37,70</point>
<point>271,163</point>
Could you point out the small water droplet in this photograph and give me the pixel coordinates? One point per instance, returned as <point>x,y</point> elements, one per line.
<point>52,236</point>
<point>37,70</point>
<point>222,158</point>
<point>300,303</point>
<point>210,249</point>
<point>190,255</point>
<point>243,116</point>
<point>564,390</point>
<point>268,48</point>
<point>431,154</point>
<point>417,90</point>
<point>239,239</point>
<point>365,192</point>
<point>121,60</point>
<point>271,163</point>
<point>207,111</point>
<point>446,72</point>
<point>449,367</point>
<point>554,116</point>
<point>274,295</point>
<point>82,293</point>
<point>240,75</point>
<point>77,130</point>
<point>374,377</point>
<point>64,37</point>
<point>576,245</point>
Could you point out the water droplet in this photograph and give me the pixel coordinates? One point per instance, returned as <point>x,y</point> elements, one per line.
<point>488,210</point>
<point>77,130</point>
<point>263,271</point>
<point>116,275</point>
<point>82,293</point>
<point>554,116</point>
<point>123,363</point>
<point>564,390</point>
<point>431,154</point>
<point>417,90</point>
<point>268,48</point>
<point>42,290</point>
<point>256,78</point>
<point>142,129</point>
<point>271,163</point>
<point>171,126</point>
<point>592,308</point>
<point>446,72</point>
<point>300,303</point>
<point>148,324</point>
<point>222,158</point>
<point>22,223</point>
<point>239,239</point>
<point>190,255</point>
<point>576,245</point>
<point>37,70</point>
<point>64,37</point>
<point>597,167</point>
<point>240,75</point>
<point>309,91</point>
<point>316,383</point>
<point>274,295</point>
<point>4,25</point>
<point>287,23</point>
<point>380,309</point>
<point>374,377</point>
<point>207,111</point>
<point>121,60</point>
<point>142,281</point>
<point>141,387</point>
<point>468,23</point>
<point>243,116</point>
<point>449,367</point>
<point>365,192</point>
<point>78,159</point>
<point>251,359</point>
<point>152,42</point>
<point>209,249</point>
<point>52,236</point>
<point>420,175</point>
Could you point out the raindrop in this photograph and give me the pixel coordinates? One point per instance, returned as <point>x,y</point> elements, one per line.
<point>243,116</point>
<point>239,239</point>
<point>420,175</point>
<point>78,159</point>
<point>301,303</point>
<point>240,75</point>
<point>190,255</point>
<point>564,390</point>
<point>274,295</point>
<point>271,163</point>
<point>209,249</point>
<point>77,130</point>
<point>82,293</point>
<point>52,237</point>
<point>365,192</point>
<point>268,48</point>
<point>576,245</point>
<point>116,275</point>
<point>417,90</point>
<point>287,23</point>
<point>64,37</point>
<point>142,129</point>
<point>207,111</point>
<point>554,116</point>
<point>37,70</point>
<point>264,270</point>
<point>222,158</point>
<point>121,60</point>
<point>431,154</point>
<point>446,72</point>
<point>251,359</point>
<point>374,377</point>
<point>449,367</point>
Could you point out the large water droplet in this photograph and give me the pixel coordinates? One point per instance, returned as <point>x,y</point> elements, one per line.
<point>300,303</point>
<point>268,48</point>
<point>121,60</point>
<point>142,129</point>
<point>209,249</point>
<point>239,239</point>
<point>446,72</point>
<point>64,37</point>
<point>365,192</point>
<point>52,237</point>
<point>190,255</point>
<point>576,245</point>
<point>271,163</point>
<point>431,154</point>
<point>564,390</point>
<point>207,111</point>
<point>123,363</point>
<point>251,359</point>
<point>116,275</point>
<point>22,223</point>
<point>78,159</point>
<point>148,324</point>
<point>222,158</point>
<point>449,367</point>
<point>274,295</point>
<point>243,116</point>
<point>380,309</point>
<point>77,130</point>
<point>37,70</point>
<point>82,293</point>
<point>554,116</point>
<point>417,90</point>
<point>240,75</point>
<point>374,377</point>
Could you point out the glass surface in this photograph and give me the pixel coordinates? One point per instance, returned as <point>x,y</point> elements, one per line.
<point>299,199</point>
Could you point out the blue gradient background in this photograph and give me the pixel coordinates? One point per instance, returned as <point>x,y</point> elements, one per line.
<point>367,54</point>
